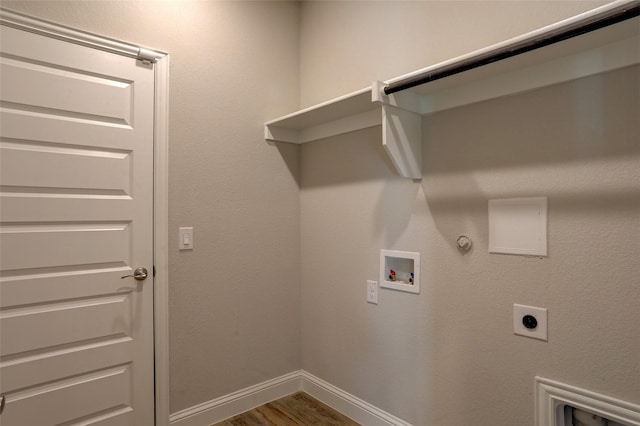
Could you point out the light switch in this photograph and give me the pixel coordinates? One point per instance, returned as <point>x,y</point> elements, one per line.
<point>185,238</point>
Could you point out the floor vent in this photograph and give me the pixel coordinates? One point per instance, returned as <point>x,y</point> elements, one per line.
<point>576,417</point>
<point>558,404</point>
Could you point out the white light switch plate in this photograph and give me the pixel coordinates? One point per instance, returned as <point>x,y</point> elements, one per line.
<point>185,238</point>
<point>540,315</point>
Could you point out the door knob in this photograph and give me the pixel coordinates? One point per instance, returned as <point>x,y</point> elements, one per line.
<point>139,274</point>
<point>2,402</point>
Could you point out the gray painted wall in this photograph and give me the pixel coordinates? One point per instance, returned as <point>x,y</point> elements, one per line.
<point>448,356</point>
<point>345,45</point>
<point>285,240</point>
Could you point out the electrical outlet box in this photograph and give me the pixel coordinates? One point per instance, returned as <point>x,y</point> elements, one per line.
<point>372,292</point>
<point>530,321</point>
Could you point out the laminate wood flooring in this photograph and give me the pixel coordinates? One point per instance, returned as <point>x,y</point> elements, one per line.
<point>297,409</point>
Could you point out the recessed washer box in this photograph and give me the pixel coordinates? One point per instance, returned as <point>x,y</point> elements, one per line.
<point>518,226</point>
<point>400,270</point>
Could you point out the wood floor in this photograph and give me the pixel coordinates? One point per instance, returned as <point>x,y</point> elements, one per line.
<point>297,409</point>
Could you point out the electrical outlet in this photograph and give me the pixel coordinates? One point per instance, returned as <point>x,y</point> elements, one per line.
<point>530,321</point>
<point>372,292</point>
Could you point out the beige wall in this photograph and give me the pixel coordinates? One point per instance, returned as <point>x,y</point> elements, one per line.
<point>448,356</point>
<point>234,300</point>
<point>345,45</point>
<point>445,357</point>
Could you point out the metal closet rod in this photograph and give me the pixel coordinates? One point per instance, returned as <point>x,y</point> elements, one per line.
<point>587,25</point>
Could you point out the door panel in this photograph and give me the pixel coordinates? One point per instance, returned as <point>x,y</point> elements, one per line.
<point>76,200</point>
<point>65,360</point>
<point>28,126</point>
<point>115,96</point>
<point>73,398</point>
<point>29,247</point>
<point>35,289</point>
<point>88,170</point>
<point>65,323</point>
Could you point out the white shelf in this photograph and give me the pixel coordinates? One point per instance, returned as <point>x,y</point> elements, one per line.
<point>400,114</point>
<point>347,113</point>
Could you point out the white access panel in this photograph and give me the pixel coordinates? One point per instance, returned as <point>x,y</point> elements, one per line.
<point>518,226</point>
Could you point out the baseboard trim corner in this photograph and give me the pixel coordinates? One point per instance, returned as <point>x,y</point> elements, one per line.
<point>347,404</point>
<point>226,406</point>
<point>235,403</point>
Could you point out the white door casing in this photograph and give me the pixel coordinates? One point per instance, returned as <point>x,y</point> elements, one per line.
<point>76,215</point>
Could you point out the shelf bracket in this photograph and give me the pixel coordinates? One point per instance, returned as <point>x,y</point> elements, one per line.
<point>402,139</point>
<point>401,129</point>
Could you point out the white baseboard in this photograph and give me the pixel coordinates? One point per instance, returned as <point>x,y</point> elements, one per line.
<point>246,399</point>
<point>238,402</point>
<point>347,404</point>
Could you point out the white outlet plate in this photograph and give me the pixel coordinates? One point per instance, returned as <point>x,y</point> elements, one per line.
<point>372,292</point>
<point>540,314</point>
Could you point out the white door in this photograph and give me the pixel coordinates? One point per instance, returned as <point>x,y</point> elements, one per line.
<point>76,205</point>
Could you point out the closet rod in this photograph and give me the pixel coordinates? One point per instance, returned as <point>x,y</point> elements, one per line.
<point>554,35</point>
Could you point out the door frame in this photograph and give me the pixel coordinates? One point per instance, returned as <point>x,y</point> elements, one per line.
<point>160,178</point>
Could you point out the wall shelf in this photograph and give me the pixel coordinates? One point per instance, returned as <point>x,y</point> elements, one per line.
<point>400,114</point>
<point>340,115</point>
